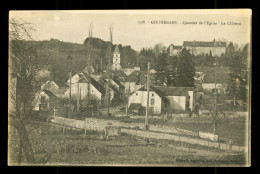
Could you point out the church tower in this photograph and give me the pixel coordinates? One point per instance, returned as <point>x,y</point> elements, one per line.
<point>116,60</point>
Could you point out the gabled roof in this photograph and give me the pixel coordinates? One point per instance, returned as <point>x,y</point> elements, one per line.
<point>86,78</point>
<point>117,82</point>
<point>222,74</point>
<point>59,91</point>
<point>50,94</point>
<point>175,46</point>
<point>117,73</point>
<point>203,44</point>
<point>110,86</point>
<point>154,90</point>
<point>137,77</point>
<point>174,91</point>
<point>60,84</point>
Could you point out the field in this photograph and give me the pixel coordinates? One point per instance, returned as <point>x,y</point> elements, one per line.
<point>73,147</point>
<point>227,127</point>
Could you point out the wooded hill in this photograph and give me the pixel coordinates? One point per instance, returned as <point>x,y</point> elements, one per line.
<point>93,51</point>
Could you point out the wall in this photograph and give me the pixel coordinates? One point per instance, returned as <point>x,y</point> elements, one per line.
<point>208,135</point>
<point>216,51</point>
<point>132,86</point>
<point>142,99</point>
<point>83,91</point>
<point>177,103</point>
<point>211,86</point>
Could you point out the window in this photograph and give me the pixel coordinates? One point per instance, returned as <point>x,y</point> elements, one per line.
<point>152,101</point>
<point>136,94</point>
<point>152,94</point>
<point>43,98</point>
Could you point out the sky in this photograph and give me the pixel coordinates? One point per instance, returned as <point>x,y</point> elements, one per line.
<point>137,28</point>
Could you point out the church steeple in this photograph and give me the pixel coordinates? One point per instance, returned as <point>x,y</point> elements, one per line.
<point>116,59</point>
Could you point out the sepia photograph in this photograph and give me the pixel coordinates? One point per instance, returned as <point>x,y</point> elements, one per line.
<point>130,88</point>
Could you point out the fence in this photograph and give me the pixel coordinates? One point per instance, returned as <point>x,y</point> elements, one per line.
<point>100,125</point>
<point>165,136</point>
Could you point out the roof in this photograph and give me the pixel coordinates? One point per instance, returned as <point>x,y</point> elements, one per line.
<point>60,83</point>
<point>117,82</point>
<point>59,91</point>
<point>50,94</point>
<point>204,44</point>
<point>86,78</point>
<point>176,46</point>
<point>100,88</point>
<point>154,90</point>
<point>135,106</point>
<point>174,91</point>
<point>116,49</point>
<point>222,74</point>
<point>110,86</point>
<point>133,77</point>
<point>118,73</point>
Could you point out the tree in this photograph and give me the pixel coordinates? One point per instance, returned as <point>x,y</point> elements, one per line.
<point>159,48</point>
<point>23,66</point>
<point>161,72</point>
<point>185,72</point>
<point>236,86</point>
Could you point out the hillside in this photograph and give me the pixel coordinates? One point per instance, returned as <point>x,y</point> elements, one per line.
<point>94,51</point>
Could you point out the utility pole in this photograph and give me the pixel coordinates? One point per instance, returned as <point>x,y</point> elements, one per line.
<point>216,104</point>
<point>108,69</point>
<point>78,98</point>
<point>147,104</point>
<point>127,101</point>
<point>69,57</point>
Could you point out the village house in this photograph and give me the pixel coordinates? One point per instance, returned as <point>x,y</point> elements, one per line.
<point>179,98</point>
<point>174,50</point>
<point>58,88</point>
<point>128,70</point>
<point>45,100</point>
<point>115,94</point>
<point>116,83</point>
<point>82,85</point>
<point>196,48</point>
<point>120,75</point>
<point>157,101</point>
<point>134,81</point>
<point>219,75</point>
<point>164,99</point>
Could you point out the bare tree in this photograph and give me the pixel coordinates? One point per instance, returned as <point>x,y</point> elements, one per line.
<point>107,97</point>
<point>23,60</point>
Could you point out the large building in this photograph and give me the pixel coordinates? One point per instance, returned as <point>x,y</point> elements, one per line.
<point>196,48</point>
<point>174,50</point>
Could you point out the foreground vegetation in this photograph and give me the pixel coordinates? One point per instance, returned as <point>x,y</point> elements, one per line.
<point>74,147</point>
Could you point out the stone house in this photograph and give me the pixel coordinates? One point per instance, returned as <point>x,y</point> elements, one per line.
<point>45,100</point>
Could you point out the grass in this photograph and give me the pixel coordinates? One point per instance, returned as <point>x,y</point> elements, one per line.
<point>162,153</point>
<point>227,128</point>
